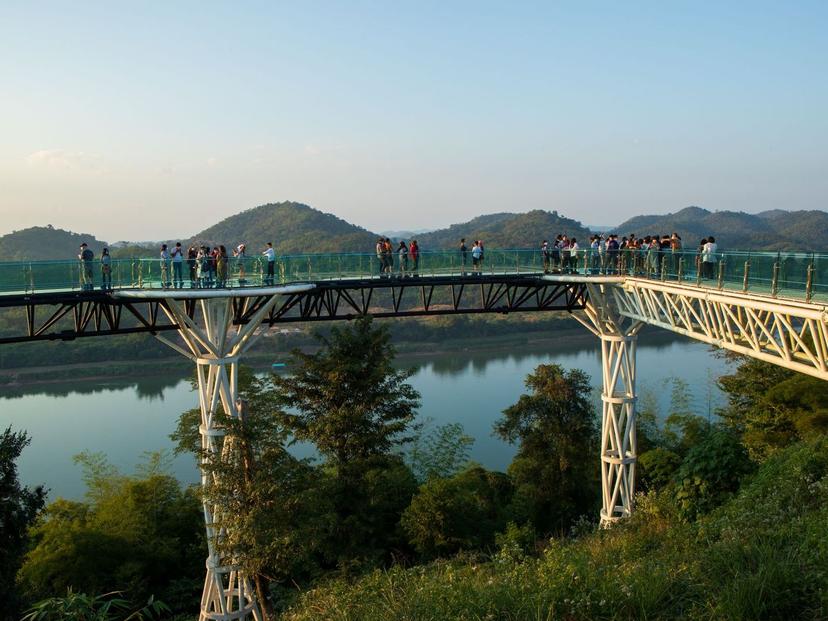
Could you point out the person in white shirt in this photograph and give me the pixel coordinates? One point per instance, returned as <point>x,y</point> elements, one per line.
<point>271,262</point>
<point>709,258</point>
<point>573,255</point>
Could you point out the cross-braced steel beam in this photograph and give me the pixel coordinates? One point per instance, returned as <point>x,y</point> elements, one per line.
<point>788,333</point>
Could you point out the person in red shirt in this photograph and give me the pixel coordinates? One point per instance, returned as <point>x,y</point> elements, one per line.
<point>414,255</point>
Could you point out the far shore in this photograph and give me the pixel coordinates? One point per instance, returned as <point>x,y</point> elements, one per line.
<point>406,351</point>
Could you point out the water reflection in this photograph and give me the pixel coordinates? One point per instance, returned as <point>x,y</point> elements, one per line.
<point>124,418</point>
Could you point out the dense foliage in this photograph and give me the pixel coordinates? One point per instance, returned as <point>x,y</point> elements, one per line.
<point>761,555</point>
<point>555,428</point>
<point>19,507</point>
<point>142,534</point>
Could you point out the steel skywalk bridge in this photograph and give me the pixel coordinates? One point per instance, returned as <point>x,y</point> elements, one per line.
<point>770,306</point>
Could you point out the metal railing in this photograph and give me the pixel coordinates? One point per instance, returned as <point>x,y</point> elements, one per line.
<point>783,274</point>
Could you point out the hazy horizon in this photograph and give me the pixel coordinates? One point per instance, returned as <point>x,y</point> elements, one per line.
<point>152,121</point>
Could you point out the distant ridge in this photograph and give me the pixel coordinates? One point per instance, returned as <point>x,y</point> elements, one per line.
<point>298,228</point>
<point>44,243</point>
<point>770,230</point>
<point>507,230</point>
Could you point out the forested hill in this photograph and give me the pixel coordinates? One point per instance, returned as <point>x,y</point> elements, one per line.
<point>41,243</point>
<point>506,230</point>
<point>292,227</point>
<point>769,230</point>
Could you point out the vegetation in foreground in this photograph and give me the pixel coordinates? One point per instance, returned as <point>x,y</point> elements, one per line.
<point>761,555</point>
<point>391,522</point>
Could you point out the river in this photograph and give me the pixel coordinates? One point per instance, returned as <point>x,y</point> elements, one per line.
<point>123,419</point>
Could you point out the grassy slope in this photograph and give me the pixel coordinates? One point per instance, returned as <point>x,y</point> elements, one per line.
<point>762,555</point>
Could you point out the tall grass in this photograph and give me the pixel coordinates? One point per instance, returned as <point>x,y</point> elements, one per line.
<point>763,555</point>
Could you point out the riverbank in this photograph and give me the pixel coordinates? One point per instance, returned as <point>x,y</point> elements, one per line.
<point>162,367</point>
<point>410,353</point>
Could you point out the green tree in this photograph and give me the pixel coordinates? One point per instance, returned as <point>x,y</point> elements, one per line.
<point>441,452</point>
<point>19,506</point>
<point>657,467</point>
<point>463,512</point>
<point>274,507</point>
<point>554,471</point>
<point>710,473</point>
<point>356,408</point>
<point>348,398</point>
<point>772,407</point>
<point>139,534</point>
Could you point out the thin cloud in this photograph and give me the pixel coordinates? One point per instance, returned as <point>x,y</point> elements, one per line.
<point>61,159</point>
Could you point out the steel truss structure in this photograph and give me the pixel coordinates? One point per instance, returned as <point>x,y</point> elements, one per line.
<point>67,316</point>
<point>618,336</point>
<point>214,344</point>
<point>788,333</point>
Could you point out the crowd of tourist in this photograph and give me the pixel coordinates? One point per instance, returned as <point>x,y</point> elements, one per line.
<point>208,267</point>
<point>203,267</point>
<point>607,254</point>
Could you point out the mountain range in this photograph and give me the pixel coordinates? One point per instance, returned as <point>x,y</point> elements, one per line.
<point>769,230</point>
<point>297,228</point>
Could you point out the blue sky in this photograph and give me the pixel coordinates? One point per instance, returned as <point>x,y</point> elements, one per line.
<point>155,119</point>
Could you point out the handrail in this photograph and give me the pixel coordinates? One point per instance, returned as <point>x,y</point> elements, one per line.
<point>800,275</point>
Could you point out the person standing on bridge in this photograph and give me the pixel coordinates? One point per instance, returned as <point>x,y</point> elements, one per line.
<point>192,264</point>
<point>573,255</point>
<point>178,265</point>
<point>165,266</point>
<point>477,254</point>
<point>106,270</point>
<point>86,255</point>
<point>545,254</point>
<point>240,254</point>
<point>271,263</point>
<point>464,256</point>
<point>213,265</point>
<point>402,251</point>
<point>414,253</point>
<point>381,256</point>
<point>709,258</point>
<point>221,267</point>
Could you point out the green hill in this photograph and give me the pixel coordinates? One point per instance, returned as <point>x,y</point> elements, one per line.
<point>292,227</point>
<point>506,230</point>
<point>43,243</point>
<point>770,230</point>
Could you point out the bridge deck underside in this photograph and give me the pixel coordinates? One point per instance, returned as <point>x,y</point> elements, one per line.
<point>61,316</point>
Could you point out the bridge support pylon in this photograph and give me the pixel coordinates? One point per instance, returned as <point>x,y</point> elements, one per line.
<point>215,345</point>
<point>618,399</point>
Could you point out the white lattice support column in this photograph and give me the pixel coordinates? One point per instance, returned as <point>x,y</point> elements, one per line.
<point>618,434</point>
<point>215,342</point>
<point>228,594</point>
<point>618,439</point>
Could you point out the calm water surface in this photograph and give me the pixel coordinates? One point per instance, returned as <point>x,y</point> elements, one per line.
<point>125,419</point>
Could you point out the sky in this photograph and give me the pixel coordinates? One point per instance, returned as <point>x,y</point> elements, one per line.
<point>152,120</point>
